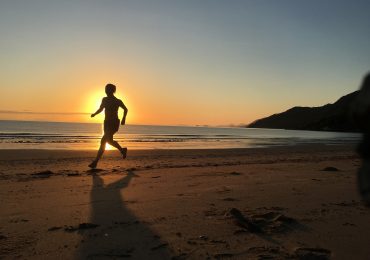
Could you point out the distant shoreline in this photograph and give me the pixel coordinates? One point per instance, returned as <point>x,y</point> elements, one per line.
<point>94,123</point>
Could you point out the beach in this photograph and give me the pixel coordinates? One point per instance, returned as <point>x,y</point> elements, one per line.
<point>261,203</point>
<point>173,130</point>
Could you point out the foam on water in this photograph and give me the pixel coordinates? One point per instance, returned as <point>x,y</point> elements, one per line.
<point>55,135</point>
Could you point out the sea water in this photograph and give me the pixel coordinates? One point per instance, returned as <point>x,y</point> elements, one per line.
<point>57,135</point>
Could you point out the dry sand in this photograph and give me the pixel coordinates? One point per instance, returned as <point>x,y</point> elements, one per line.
<point>268,203</point>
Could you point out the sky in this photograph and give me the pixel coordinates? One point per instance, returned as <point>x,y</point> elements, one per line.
<point>188,62</point>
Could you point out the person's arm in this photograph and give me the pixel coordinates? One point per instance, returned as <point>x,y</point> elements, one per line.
<point>101,108</point>
<point>125,111</point>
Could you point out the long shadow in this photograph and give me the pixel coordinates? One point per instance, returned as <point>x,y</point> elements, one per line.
<point>119,234</point>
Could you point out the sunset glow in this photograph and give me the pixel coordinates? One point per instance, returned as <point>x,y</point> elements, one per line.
<point>184,129</point>
<point>214,63</point>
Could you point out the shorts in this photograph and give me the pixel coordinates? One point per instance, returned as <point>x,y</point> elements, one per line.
<point>111,126</point>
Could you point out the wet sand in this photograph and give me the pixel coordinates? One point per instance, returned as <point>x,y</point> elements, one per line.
<point>283,202</point>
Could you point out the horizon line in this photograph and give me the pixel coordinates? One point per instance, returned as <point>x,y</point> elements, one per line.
<point>41,113</point>
<point>195,125</point>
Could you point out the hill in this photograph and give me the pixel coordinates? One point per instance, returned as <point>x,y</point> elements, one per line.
<point>330,117</point>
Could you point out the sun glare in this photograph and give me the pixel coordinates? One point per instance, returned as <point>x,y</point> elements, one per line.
<point>91,104</point>
<point>108,147</point>
<point>93,101</point>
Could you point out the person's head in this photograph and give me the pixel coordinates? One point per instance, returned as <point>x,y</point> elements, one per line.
<point>110,89</point>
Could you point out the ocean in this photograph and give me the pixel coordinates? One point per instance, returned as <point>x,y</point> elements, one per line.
<point>86,136</point>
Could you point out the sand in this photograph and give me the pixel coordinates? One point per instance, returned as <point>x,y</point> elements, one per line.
<point>266,203</point>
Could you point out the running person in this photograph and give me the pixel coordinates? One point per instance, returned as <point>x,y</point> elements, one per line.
<point>110,104</point>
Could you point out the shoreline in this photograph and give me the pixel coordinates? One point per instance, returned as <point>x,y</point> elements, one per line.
<point>243,126</point>
<point>16,151</point>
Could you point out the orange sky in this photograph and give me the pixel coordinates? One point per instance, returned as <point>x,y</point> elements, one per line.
<point>146,105</point>
<point>178,62</point>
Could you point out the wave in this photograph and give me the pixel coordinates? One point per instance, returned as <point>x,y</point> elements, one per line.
<point>20,135</point>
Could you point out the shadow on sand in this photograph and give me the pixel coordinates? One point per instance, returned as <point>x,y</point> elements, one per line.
<point>119,234</point>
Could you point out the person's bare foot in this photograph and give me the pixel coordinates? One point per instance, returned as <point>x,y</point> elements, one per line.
<point>124,152</point>
<point>93,164</point>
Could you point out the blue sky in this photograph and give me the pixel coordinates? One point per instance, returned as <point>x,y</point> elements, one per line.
<point>182,62</point>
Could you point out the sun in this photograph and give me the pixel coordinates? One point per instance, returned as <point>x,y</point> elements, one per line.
<point>92,103</point>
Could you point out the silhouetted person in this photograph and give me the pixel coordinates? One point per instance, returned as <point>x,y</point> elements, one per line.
<point>361,115</point>
<point>110,104</point>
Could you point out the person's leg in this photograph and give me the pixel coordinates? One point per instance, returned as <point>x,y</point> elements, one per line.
<point>100,152</point>
<point>117,146</point>
<point>101,148</point>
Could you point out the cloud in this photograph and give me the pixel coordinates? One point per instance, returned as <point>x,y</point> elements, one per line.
<point>40,113</point>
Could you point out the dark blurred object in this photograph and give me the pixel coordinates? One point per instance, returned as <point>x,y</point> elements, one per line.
<point>361,106</point>
<point>360,112</point>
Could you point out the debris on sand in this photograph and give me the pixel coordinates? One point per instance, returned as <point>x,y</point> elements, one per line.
<point>269,222</point>
<point>273,217</point>
<point>81,226</point>
<point>43,174</point>
<point>92,171</point>
<point>87,225</point>
<point>272,208</point>
<point>243,221</point>
<point>159,246</point>
<point>18,220</point>
<point>348,224</point>
<point>54,228</point>
<point>230,199</point>
<point>235,173</point>
<point>352,203</point>
<point>312,253</point>
<point>181,256</point>
<point>224,189</point>
<point>223,255</point>
<point>215,241</point>
<point>270,252</point>
<point>72,174</point>
<point>70,229</point>
<point>272,222</point>
<point>330,169</point>
<point>284,219</point>
<point>203,237</point>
